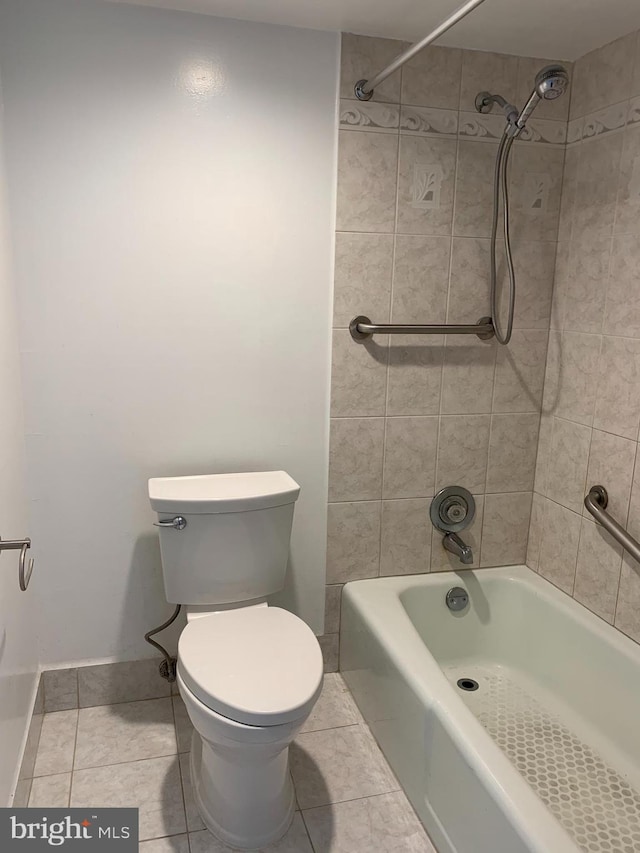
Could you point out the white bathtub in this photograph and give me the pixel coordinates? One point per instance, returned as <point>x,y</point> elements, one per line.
<point>545,755</point>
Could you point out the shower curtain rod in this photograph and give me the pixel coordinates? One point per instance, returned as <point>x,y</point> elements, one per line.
<point>364,88</point>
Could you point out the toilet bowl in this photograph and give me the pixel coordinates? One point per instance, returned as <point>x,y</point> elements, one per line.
<point>249,679</point>
<point>249,673</point>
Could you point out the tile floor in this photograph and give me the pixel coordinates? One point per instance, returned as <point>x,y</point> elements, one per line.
<point>136,754</point>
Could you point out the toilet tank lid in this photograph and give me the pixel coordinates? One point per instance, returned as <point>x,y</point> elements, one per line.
<point>214,493</point>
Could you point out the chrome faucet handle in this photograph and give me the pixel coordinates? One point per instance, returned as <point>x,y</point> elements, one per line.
<point>178,523</point>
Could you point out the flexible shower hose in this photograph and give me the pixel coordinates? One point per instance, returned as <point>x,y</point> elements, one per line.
<point>501,184</point>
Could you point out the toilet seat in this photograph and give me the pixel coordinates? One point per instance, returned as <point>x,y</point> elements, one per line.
<point>261,666</point>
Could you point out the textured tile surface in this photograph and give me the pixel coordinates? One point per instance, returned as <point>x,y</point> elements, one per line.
<point>296,840</point>
<point>112,734</point>
<point>384,824</point>
<point>152,784</point>
<point>334,708</point>
<point>60,689</point>
<point>121,682</point>
<point>319,779</point>
<point>57,743</point>
<point>50,791</point>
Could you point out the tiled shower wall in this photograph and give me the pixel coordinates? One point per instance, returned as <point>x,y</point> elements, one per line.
<point>412,415</point>
<point>591,410</point>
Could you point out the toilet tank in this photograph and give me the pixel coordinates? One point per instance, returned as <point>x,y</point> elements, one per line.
<point>235,544</point>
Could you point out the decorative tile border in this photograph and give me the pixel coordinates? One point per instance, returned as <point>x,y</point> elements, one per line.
<point>428,121</point>
<point>369,115</point>
<point>610,119</point>
<point>481,127</point>
<point>378,117</point>
<point>574,131</point>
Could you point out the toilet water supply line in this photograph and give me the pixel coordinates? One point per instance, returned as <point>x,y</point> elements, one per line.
<point>167,667</point>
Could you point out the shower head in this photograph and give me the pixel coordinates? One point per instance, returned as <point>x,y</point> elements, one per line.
<point>551,81</point>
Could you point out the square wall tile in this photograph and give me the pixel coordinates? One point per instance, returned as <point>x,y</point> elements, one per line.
<point>559,545</point>
<point>513,445</point>
<point>415,375</point>
<point>618,394</point>
<point>353,541</point>
<point>330,648</point>
<point>627,617</point>
<point>362,57</point>
<point>420,279</point>
<point>362,282</point>
<point>535,532</point>
<point>505,529</point>
<point>432,78</point>
<point>467,375</point>
<point>474,189</point>
<point>355,459</point>
<point>364,204</point>
<point>463,447</point>
<point>535,263</point>
<point>586,295</point>
<point>491,72</point>
<point>611,70</point>
<point>611,462</point>
<point>598,570</point>
<point>622,316</point>
<point>358,376</point>
<point>628,206</point>
<point>129,681</point>
<point>406,537</point>
<point>597,187</point>
<point>410,448</point>
<point>60,689</point>
<point>519,377</point>
<point>332,607</point>
<point>469,289</point>
<point>426,178</point>
<point>566,477</point>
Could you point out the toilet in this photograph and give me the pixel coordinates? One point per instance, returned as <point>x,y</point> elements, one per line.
<point>249,673</point>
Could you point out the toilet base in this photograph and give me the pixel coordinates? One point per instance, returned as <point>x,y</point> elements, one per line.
<point>244,795</point>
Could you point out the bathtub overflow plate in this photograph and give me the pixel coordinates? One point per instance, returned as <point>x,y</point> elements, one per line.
<point>457,598</point>
<point>452,509</point>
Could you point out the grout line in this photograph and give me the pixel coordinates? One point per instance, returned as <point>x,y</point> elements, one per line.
<point>178,754</point>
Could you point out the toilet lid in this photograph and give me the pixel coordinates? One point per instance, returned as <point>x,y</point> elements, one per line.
<point>261,666</point>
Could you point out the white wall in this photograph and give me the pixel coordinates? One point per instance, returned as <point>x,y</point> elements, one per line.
<point>172,181</point>
<point>18,618</point>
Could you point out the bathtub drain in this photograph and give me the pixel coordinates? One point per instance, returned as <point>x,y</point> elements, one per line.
<point>467,684</point>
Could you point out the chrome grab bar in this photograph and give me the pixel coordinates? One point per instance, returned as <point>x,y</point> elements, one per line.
<point>24,570</point>
<point>596,502</point>
<point>362,328</point>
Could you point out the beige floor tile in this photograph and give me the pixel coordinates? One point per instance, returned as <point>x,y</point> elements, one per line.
<point>338,764</point>
<point>295,841</point>
<point>194,821</point>
<point>334,708</point>
<point>152,785</point>
<point>172,844</point>
<point>50,791</point>
<point>111,734</point>
<point>384,824</point>
<point>184,727</point>
<point>57,742</point>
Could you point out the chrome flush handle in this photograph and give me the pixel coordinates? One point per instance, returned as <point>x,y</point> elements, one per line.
<point>178,523</point>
